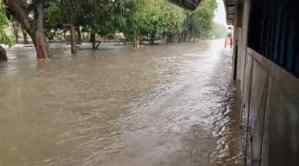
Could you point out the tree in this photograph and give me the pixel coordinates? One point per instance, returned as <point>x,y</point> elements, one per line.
<point>153,18</point>
<point>97,17</point>
<point>198,23</point>
<point>31,14</point>
<point>56,19</point>
<point>173,19</point>
<point>4,38</point>
<point>150,19</point>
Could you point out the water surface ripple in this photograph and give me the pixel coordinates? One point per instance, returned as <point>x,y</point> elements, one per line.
<point>168,105</point>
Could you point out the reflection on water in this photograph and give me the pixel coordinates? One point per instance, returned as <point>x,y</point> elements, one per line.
<point>163,105</point>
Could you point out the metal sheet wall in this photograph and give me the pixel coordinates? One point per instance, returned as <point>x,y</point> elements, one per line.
<point>271,106</point>
<point>273,32</point>
<point>269,71</point>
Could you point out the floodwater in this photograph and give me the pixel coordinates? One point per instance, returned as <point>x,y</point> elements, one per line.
<point>167,105</point>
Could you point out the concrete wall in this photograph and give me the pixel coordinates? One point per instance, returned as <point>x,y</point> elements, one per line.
<point>270,104</point>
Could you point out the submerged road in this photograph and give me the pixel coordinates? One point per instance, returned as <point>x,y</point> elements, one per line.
<point>155,106</point>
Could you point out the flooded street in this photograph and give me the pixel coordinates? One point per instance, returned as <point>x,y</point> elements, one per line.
<point>167,105</point>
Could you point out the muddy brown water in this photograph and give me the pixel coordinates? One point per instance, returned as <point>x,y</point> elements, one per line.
<point>168,105</point>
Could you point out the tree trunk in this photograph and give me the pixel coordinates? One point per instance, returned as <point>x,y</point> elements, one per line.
<point>183,37</point>
<point>170,38</point>
<point>3,55</point>
<point>40,41</point>
<point>16,36</point>
<point>25,37</point>
<point>137,42</point>
<point>33,26</point>
<point>93,40</point>
<point>64,35</point>
<point>152,39</point>
<point>79,41</point>
<point>41,44</point>
<point>73,44</point>
<point>16,31</point>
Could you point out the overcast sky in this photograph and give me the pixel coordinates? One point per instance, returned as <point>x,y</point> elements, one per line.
<point>220,16</point>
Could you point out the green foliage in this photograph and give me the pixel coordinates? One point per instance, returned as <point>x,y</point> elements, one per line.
<point>218,31</point>
<point>99,16</point>
<point>173,19</point>
<point>135,18</point>
<point>126,21</point>
<point>55,15</point>
<point>4,37</point>
<point>199,22</point>
<point>155,17</point>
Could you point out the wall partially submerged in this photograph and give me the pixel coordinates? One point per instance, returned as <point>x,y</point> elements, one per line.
<point>267,59</point>
<point>267,71</point>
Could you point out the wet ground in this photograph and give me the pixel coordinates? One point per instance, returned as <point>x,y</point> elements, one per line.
<point>155,106</point>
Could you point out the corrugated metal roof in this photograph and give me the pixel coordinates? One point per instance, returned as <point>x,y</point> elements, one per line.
<point>231,7</point>
<point>187,4</point>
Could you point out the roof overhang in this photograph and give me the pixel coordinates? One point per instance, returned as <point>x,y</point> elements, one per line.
<point>187,4</point>
<point>231,7</point>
